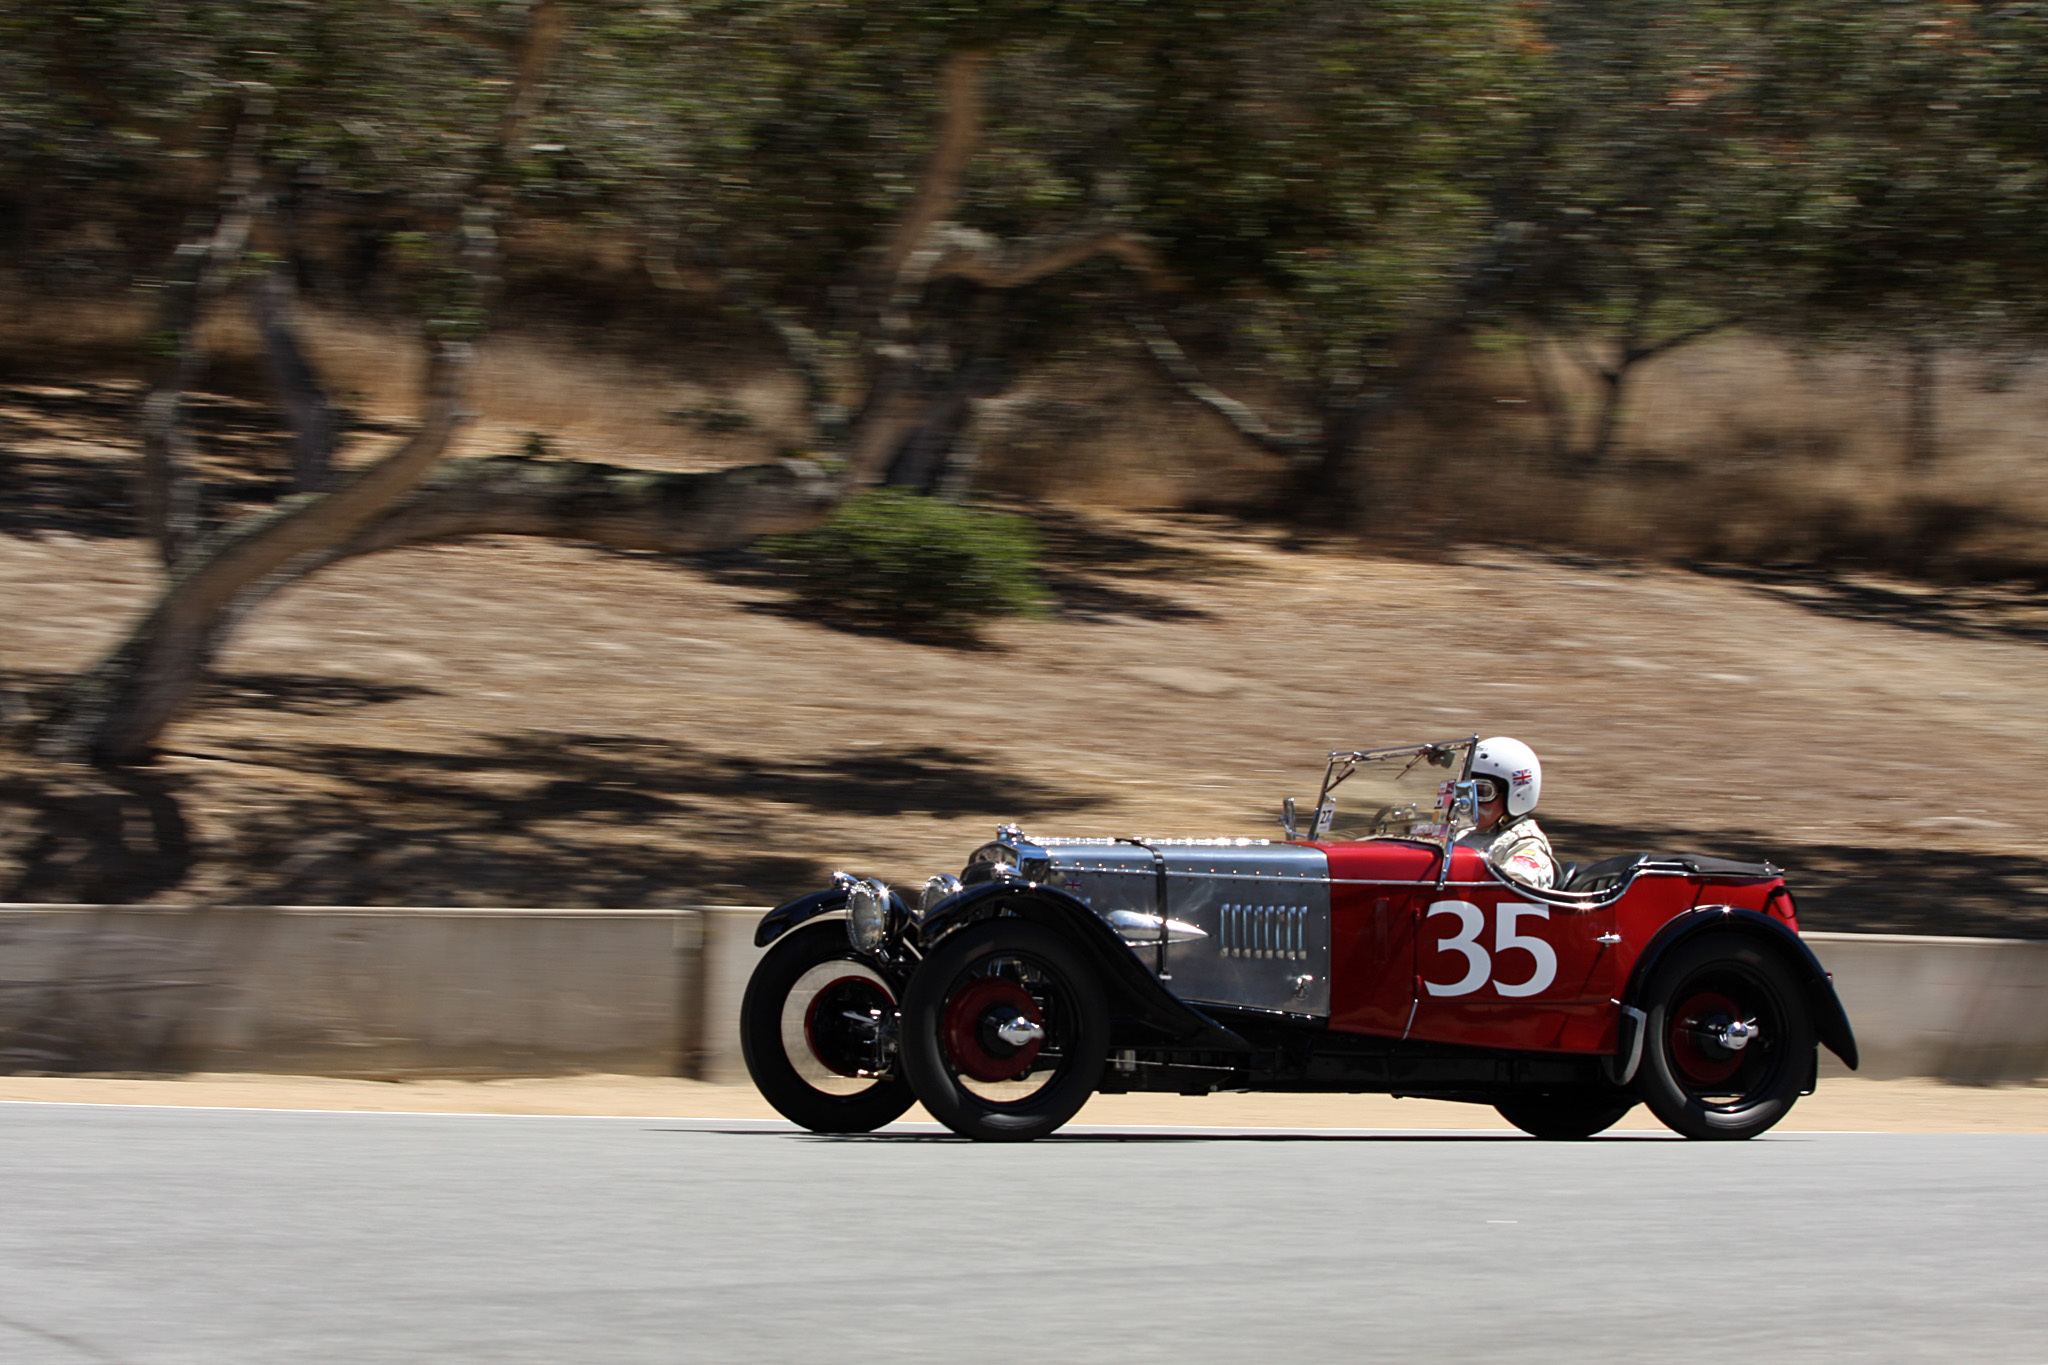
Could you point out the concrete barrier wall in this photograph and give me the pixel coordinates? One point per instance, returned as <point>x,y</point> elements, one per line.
<point>1962,1009</point>
<point>352,992</point>
<point>412,991</point>
<point>729,958</point>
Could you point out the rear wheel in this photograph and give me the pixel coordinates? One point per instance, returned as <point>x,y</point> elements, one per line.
<point>817,1027</point>
<point>1004,1031</point>
<point>1566,1113</point>
<point>1728,1042</point>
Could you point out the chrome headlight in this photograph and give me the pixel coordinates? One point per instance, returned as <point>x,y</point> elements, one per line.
<point>936,890</point>
<point>867,915</point>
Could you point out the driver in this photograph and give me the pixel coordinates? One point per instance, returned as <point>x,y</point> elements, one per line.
<point>1508,779</point>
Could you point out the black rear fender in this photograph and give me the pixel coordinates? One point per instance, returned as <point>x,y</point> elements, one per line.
<point>1830,1020</point>
<point>1133,991</point>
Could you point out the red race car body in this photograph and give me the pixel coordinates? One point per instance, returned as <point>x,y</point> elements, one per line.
<point>1481,960</point>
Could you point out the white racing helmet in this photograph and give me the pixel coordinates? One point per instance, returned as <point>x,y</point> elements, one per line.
<point>1513,764</point>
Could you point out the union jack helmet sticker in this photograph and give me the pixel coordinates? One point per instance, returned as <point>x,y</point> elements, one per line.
<point>1523,777</point>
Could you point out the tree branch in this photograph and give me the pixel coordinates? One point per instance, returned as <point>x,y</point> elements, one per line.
<point>1685,338</point>
<point>1242,419</point>
<point>1589,362</point>
<point>201,270</point>
<point>627,509</point>
<point>112,713</point>
<point>294,381</point>
<point>964,253</point>
<point>264,543</point>
<point>939,190</point>
<point>533,55</point>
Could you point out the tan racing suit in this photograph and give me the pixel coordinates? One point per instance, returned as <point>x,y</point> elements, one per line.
<point>1518,850</point>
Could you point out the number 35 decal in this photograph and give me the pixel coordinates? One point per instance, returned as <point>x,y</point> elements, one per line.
<point>1471,924</point>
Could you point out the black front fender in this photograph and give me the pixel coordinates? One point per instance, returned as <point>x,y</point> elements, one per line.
<point>784,918</point>
<point>1133,990</point>
<point>1830,1020</point>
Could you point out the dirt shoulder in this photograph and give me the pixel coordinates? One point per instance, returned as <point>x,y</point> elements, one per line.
<point>532,723</point>
<point>1840,1105</point>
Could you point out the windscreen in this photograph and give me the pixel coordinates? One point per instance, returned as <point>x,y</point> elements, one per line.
<point>1403,793</point>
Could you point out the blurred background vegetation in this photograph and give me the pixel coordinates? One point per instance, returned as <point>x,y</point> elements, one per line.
<point>1756,280</point>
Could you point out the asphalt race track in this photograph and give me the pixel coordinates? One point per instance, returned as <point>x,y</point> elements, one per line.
<point>160,1236</point>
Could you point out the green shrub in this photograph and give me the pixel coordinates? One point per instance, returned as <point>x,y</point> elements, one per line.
<point>915,562</point>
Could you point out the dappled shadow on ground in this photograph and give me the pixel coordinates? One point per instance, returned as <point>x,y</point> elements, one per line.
<point>1845,888</point>
<point>1985,611</point>
<point>27,693</point>
<point>44,492</point>
<point>1080,597</point>
<point>1079,543</point>
<point>1094,573</point>
<point>1071,596</point>
<point>69,455</point>
<point>606,820</point>
<point>578,773</point>
<point>530,819</point>
<point>305,695</point>
<point>748,569</point>
<point>91,837</point>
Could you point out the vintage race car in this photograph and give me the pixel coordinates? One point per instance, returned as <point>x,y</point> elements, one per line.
<point>1370,953</point>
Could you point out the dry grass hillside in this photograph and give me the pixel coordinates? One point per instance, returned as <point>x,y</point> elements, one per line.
<point>532,723</point>
<point>1739,450</point>
<point>1736,449</point>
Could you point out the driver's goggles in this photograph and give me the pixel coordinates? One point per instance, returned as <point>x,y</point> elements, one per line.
<point>1487,789</point>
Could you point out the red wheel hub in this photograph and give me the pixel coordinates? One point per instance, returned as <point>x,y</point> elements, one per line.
<point>1698,1057</point>
<point>974,1013</point>
<point>837,1038</point>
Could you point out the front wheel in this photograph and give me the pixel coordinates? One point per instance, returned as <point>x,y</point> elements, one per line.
<point>817,1027</point>
<point>1004,1031</point>
<point>1566,1114</point>
<point>1728,1042</point>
